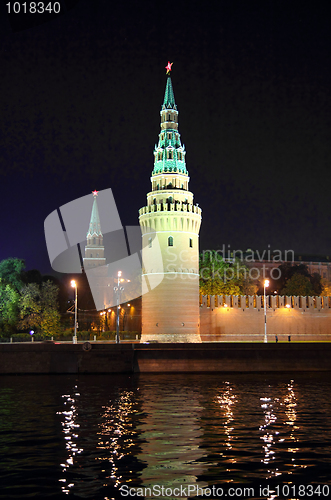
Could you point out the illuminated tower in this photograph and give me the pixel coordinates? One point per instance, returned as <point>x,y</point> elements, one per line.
<point>94,250</point>
<point>170,223</point>
<point>94,261</point>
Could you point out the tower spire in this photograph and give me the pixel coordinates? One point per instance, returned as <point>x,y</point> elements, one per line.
<point>169,154</point>
<point>94,250</point>
<point>95,226</point>
<point>169,97</point>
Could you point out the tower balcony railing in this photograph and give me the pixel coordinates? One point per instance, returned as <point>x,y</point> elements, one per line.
<point>171,207</point>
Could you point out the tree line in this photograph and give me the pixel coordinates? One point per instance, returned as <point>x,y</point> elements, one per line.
<point>219,276</point>
<point>28,300</point>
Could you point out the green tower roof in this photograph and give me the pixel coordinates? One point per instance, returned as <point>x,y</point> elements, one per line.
<point>169,154</point>
<point>95,226</point>
<point>169,98</point>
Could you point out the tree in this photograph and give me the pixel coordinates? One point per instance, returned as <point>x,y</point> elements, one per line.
<point>315,280</point>
<point>298,285</point>
<point>11,272</point>
<point>219,277</point>
<point>39,308</point>
<point>9,307</point>
<point>287,273</point>
<point>326,290</point>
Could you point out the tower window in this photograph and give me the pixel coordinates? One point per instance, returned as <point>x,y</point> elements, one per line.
<point>149,242</point>
<point>170,241</point>
<point>93,241</point>
<point>191,243</point>
<point>91,256</point>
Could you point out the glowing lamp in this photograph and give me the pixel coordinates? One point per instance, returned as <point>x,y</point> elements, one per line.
<point>266,283</point>
<point>73,283</point>
<point>288,306</point>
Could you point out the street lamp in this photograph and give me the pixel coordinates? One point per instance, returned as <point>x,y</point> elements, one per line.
<point>74,285</point>
<point>266,284</point>
<point>118,291</point>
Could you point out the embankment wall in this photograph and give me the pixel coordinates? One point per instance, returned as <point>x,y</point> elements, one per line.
<point>39,358</point>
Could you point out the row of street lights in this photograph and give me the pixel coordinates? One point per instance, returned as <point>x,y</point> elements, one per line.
<point>118,290</point>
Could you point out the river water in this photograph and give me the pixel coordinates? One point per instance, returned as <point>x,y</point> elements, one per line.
<point>165,436</point>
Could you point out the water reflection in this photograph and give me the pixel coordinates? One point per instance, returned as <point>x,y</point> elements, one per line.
<point>70,429</point>
<point>100,433</point>
<point>268,433</point>
<point>171,433</point>
<point>226,402</point>
<point>116,435</point>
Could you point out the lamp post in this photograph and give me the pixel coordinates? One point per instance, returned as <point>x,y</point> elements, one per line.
<point>118,291</point>
<point>266,284</point>
<point>74,285</point>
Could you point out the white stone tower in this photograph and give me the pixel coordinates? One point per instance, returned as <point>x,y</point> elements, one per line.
<point>170,223</point>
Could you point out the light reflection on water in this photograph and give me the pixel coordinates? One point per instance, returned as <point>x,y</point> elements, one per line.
<point>84,437</point>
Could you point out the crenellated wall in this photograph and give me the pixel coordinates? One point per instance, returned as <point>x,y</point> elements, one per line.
<point>241,318</point>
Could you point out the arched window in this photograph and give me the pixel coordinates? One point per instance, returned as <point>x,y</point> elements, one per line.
<point>170,241</point>
<point>93,241</point>
<point>91,256</point>
<point>191,243</point>
<point>149,242</point>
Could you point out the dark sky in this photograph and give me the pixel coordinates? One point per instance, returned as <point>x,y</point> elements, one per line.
<point>80,100</point>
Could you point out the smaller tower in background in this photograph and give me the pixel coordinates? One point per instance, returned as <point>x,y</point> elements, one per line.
<point>95,262</point>
<point>94,250</point>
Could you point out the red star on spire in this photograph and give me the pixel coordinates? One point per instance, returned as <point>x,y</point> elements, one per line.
<point>95,193</point>
<point>168,67</point>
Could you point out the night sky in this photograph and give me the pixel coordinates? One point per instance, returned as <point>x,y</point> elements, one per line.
<point>80,100</point>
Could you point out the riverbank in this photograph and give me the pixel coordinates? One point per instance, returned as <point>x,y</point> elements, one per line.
<point>52,358</point>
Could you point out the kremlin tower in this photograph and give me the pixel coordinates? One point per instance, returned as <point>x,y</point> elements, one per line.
<point>95,261</point>
<point>170,224</point>
<point>94,250</point>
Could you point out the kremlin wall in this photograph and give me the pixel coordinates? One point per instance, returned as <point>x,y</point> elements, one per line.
<point>231,318</point>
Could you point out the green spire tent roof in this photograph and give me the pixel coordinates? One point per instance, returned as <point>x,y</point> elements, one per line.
<point>169,142</point>
<point>95,226</point>
<point>169,98</point>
